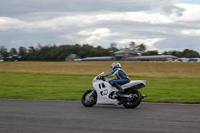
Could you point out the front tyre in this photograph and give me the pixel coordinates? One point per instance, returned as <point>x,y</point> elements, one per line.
<point>89,98</point>
<point>133,103</point>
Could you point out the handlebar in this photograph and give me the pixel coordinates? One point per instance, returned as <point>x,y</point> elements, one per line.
<point>101,78</point>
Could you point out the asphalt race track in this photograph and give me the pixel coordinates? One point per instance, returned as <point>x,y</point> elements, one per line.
<point>49,116</point>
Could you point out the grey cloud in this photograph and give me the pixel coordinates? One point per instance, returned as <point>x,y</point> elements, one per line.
<point>20,7</point>
<point>173,10</point>
<point>40,17</point>
<point>179,43</point>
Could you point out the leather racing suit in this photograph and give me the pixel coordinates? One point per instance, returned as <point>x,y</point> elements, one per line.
<point>122,78</point>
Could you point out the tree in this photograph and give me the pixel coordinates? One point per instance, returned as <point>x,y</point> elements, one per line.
<point>190,53</point>
<point>31,50</point>
<point>59,53</point>
<point>113,48</point>
<point>137,48</point>
<point>22,51</point>
<point>4,52</point>
<point>113,45</point>
<point>186,53</point>
<point>86,51</point>
<point>13,51</point>
<point>153,52</point>
<point>132,45</point>
<point>141,48</point>
<point>165,53</point>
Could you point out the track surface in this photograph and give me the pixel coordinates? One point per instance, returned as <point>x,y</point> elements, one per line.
<point>49,116</point>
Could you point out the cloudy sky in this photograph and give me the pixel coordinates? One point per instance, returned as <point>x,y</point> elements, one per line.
<point>159,24</point>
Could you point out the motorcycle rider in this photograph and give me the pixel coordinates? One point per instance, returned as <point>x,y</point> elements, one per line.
<point>121,75</point>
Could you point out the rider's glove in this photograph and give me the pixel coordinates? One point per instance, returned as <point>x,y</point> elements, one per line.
<point>102,78</point>
<point>111,82</point>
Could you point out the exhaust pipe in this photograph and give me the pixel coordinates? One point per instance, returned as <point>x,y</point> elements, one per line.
<point>143,96</point>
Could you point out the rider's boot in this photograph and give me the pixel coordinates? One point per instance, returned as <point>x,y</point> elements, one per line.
<point>119,88</point>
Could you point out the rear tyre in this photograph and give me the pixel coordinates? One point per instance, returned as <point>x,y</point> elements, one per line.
<point>133,103</point>
<point>89,98</point>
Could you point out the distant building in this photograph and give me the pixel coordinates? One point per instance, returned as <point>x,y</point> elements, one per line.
<point>152,58</point>
<point>194,59</point>
<point>103,58</point>
<point>72,57</point>
<point>182,59</point>
<point>124,54</point>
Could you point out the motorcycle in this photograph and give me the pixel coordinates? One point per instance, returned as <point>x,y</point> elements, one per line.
<point>104,93</point>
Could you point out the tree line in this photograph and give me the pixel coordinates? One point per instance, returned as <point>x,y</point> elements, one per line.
<point>59,53</point>
<point>53,52</point>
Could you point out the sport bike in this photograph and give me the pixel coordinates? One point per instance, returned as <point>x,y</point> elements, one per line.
<point>104,93</point>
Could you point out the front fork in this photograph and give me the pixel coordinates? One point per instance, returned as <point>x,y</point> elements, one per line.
<point>91,93</point>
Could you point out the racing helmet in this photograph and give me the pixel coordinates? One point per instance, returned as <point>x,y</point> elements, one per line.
<point>115,65</point>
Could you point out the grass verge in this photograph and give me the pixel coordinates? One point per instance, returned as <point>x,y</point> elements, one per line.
<point>71,87</point>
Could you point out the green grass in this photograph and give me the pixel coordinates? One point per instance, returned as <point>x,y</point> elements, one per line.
<point>71,87</point>
<point>171,89</point>
<point>42,86</point>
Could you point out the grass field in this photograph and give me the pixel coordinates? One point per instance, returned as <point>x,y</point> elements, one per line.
<point>167,82</point>
<point>151,69</point>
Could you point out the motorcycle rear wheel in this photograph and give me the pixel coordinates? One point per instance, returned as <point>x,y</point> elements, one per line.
<point>135,101</point>
<point>88,99</point>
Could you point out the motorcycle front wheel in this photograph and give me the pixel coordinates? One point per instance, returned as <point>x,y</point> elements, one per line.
<point>89,98</point>
<point>133,103</point>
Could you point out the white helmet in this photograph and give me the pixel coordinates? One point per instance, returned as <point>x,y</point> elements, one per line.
<point>115,65</point>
